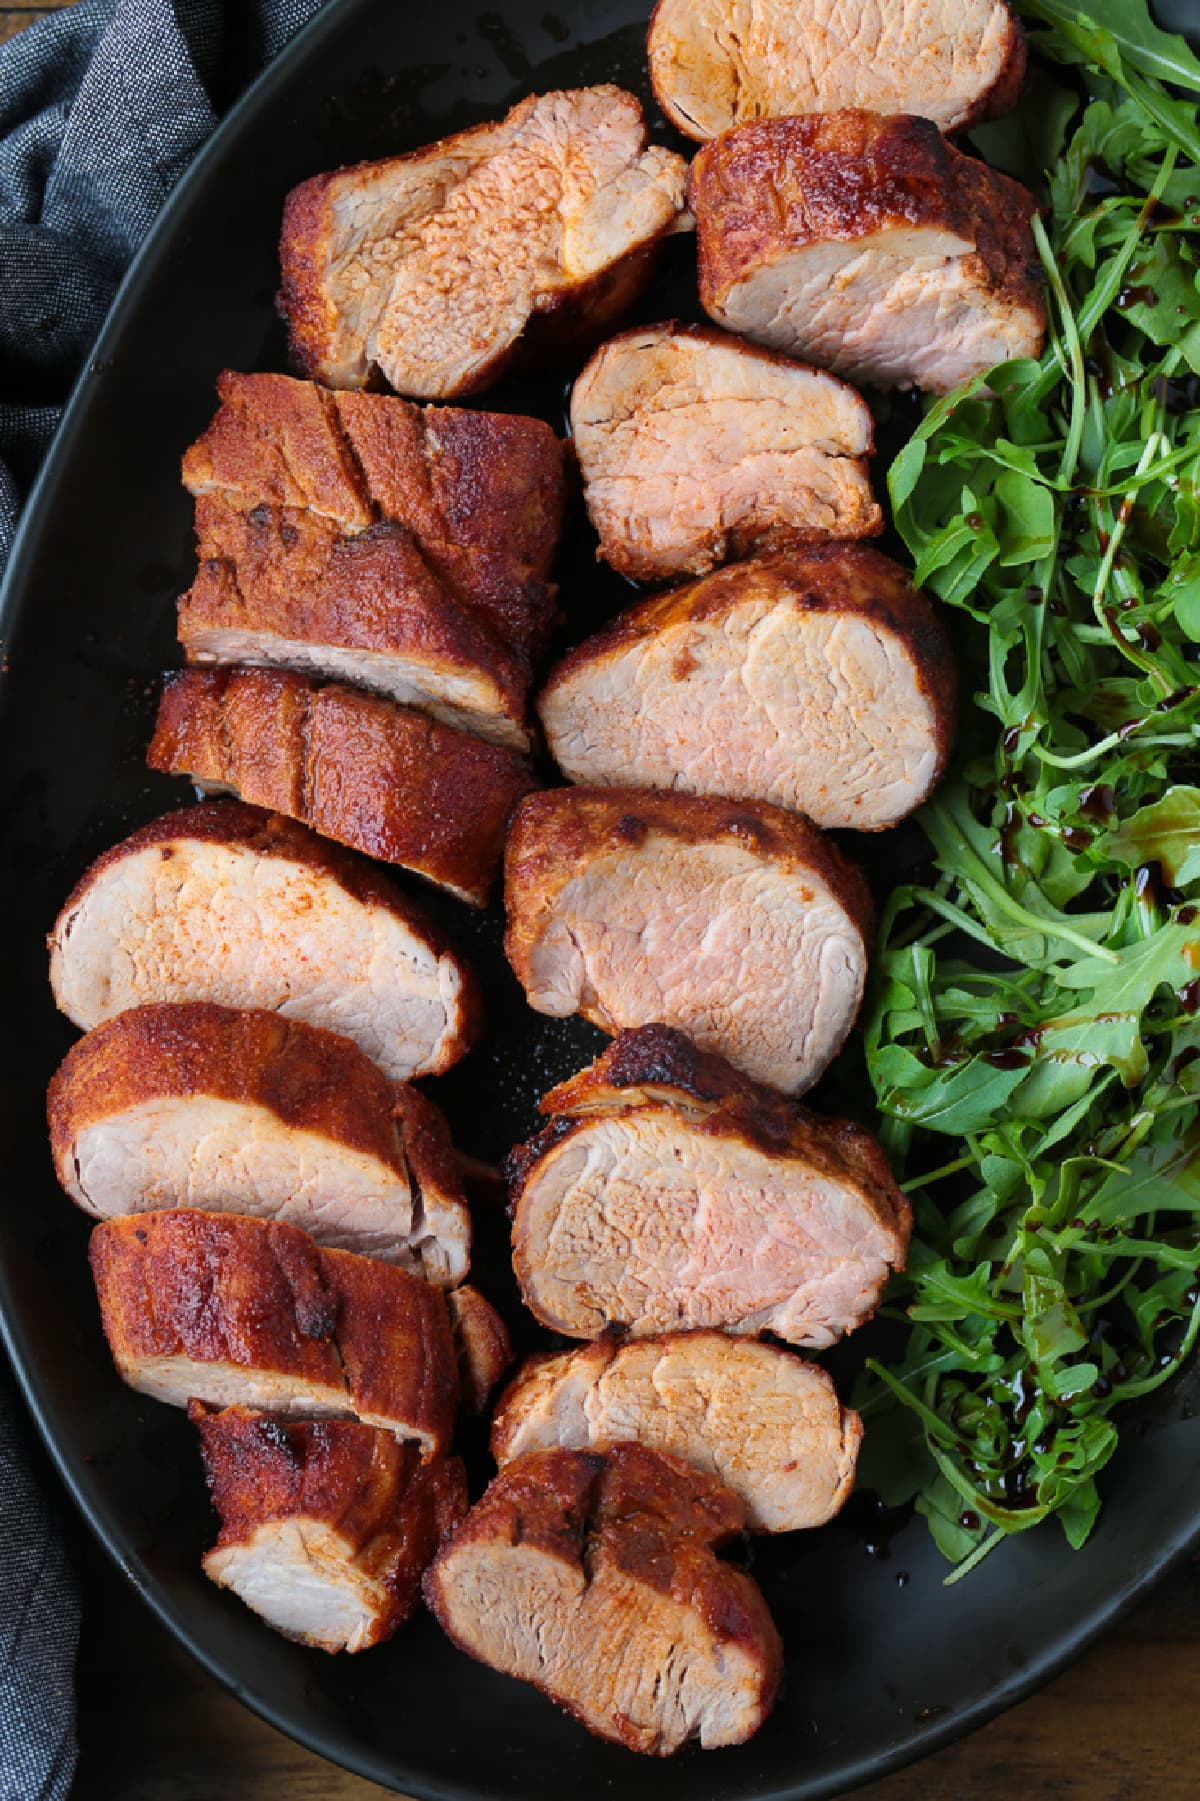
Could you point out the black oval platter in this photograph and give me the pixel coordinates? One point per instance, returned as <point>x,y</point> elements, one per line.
<point>883,1661</point>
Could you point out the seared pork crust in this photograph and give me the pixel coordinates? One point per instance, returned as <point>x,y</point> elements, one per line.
<point>284,588</point>
<point>484,1347</point>
<point>481,482</point>
<point>220,1308</point>
<point>696,448</point>
<point>648,1064</point>
<point>758,924</point>
<point>356,768</point>
<point>758,1418</point>
<point>434,268</point>
<point>717,63</point>
<point>184,909</point>
<point>326,1525</point>
<point>818,679</point>
<point>406,548</point>
<point>238,1110</point>
<point>939,276</point>
<point>662,1170</point>
<point>653,1065</point>
<point>572,1552</point>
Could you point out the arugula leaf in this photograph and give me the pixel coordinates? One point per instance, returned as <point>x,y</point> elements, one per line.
<point>1029,140</point>
<point>1166,832</point>
<point>1128,22</point>
<point>1033,1026</point>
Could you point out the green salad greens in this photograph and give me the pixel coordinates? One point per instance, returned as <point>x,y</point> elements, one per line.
<point>1034,1032</point>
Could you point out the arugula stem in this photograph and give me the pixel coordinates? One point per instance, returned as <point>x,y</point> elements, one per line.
<point>938,1175</point>
<point>1103,295</point>
<point>1078,380</point>
<point>1106,619</point>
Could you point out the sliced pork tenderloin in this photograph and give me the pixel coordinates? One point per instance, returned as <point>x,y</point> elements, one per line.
<point>400,547</point>
<point>716,63</point>
<point>229,904</point>
<point>433,268</point>
<point>484,1348</point>
<point>595,1578</point>
<point>669,1193</point>
<point>488,484</point>
<point>868,245</point>
<point>245,1312</point>
<point>285,590</point>
<point>737,923</point>
<point>758,1418</point>
<point>819,679</point>
<point>696,448</point>
<point>326,1525</point>
<point>356,768</point>
<point>242,1111</point>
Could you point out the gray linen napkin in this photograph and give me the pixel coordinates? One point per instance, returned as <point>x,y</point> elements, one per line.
<point>101,109</point>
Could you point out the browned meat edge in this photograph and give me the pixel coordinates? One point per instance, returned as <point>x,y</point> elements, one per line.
<point>642,1513</point>
<point>555,832</point>
<point>355,767</point>
<point>774,185</point>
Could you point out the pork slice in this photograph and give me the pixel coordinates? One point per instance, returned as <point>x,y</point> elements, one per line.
<point>716,63</point>
<point>595,1578</point>
<point>738,924</point>
<point>361,770</point>
<point>491,483</point>
<point>695,448</point>
<point>242,1111</point>
<point>475,503</point>
<point>286,589</point>
<point>280,442</point>
<point>764,1422</point>
<point>234,1311</point>
<point>326,1525</point>
<point>361,538</point>
<point>229,904</point>
<point>484,1347</point>
<point>432,267</point>
<point>868,245</point>
<point>818,679</point>
<point>668,1193</point>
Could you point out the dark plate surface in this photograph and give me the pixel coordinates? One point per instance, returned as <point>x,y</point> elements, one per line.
<point>883,1662</point>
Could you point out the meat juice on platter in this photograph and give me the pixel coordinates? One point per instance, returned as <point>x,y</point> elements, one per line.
<point>369,638</point>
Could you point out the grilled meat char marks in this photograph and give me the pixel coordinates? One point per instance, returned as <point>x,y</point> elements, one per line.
<point>379,778</point>
<point>669,1193</point>
<point>695,448</point>
<point>326,1525</point>
<point>239,1110</point>
<point>571,1554</point>
<point>226,903</point>
<point>869,245</point>
<point>737,923</point>
<point>756,1417</point>
<point>818,679</point>
<point>358,536</point>
<point>435,267</point>
<point>717,63</point>
<point>230,1310</point>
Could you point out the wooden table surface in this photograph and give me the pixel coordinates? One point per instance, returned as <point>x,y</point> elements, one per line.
<point>15,18</point>
<point>1122,1725</point>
